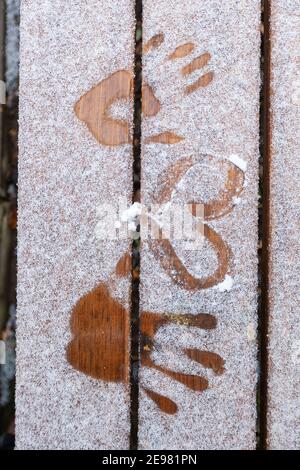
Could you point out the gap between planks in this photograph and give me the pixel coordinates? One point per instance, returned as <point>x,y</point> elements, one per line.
<point>265,124</point>
<point>263,271</point>
<point>135,286</point>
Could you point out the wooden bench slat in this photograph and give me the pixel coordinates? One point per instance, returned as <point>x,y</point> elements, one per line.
<point>201,86</point>
<point>284,215</point>
<point>73,387</point>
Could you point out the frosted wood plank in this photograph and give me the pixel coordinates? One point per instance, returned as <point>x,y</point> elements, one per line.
<point>200,144</point>
<point>73,292</point>
<point>284,297</point>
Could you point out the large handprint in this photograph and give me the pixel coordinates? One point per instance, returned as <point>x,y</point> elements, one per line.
<point>100,326</point>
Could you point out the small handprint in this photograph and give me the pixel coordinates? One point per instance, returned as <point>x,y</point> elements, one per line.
<point>151,105</point>
<point>93,107</point>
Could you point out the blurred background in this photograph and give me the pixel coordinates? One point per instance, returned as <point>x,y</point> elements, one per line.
<point>9,74</point>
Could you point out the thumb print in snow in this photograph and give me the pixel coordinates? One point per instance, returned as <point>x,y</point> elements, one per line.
<point>99,348</point>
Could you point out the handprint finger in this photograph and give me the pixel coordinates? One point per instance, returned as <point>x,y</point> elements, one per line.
<point>202,82</point>
<point>182,51</point>
<point>207,359</point>
<point>165,404</point>
<point>154,42</point>
<point>196,64</point>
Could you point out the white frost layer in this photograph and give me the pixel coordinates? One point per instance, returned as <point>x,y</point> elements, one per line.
<point>67,47</point>
<point>284,321</point>
<point>219,120</point>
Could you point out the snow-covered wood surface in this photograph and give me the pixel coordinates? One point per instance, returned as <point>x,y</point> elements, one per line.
<point>200,144</point>
<point>284,296</point>
<point>65,173</point>
<point>198,302</point>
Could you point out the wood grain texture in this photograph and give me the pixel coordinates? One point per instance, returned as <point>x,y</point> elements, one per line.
<point>213,210</point>
<point>205,75</point>
<point>101,328</point>
<point>196,64</point>
<point>154,43</point>
<point>151,104</point>
<point>182,51</point>
<point>165,404</point>
<point>74,288</point>
<point>283,414</point>
<point>93,109</point>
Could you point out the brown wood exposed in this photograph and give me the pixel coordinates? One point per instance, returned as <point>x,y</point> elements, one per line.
<point>93,109</point>
<point>164,403</point>
<point>149,325</point>
<point>226,200</point>
<point>99,348</point>
<point>200,83</point>
<point>100,328</point>
<point>196,64</point>
<point>215,209</point>
<point>170,178</point>
<point>151,322</point>
<point>150,104</point>
<point>123,267</point>
<point>174,267</point>
<point>154,42</point>
<point>207,359</point>
<point>182,51</point>
<point>193,382</point>
<point>167,137</point>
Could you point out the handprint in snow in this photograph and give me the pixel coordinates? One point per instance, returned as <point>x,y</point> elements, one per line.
<point>93,108</point>
<point>100,326</point>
